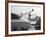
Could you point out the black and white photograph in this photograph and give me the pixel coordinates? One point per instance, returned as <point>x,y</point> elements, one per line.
<point>25,18</point>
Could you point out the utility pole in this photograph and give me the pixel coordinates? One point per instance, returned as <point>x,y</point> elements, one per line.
<point>30,15</point>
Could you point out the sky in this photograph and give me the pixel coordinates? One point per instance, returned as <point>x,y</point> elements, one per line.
<point>25,9</point>
<point>17,9</point>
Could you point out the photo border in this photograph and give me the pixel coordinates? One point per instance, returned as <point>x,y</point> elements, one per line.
<point>6,17</point>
